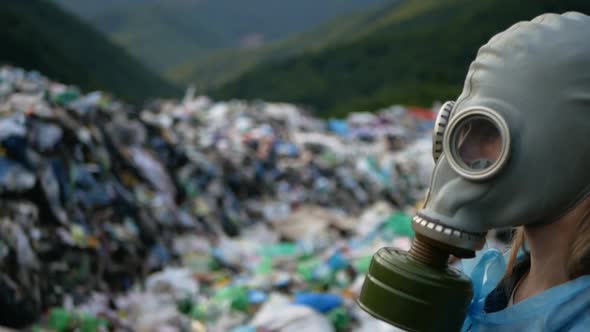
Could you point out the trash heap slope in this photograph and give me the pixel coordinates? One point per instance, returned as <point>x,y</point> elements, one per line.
<point>195,212</point>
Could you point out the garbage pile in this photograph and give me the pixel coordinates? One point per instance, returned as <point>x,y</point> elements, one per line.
<point>196,215</point>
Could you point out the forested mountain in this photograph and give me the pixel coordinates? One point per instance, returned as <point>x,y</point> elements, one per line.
<point>212,69</point>
<point>37,34</point>
<point>419,51</point>
<point>166,33</point>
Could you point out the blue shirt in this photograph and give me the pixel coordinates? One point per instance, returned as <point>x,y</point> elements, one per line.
<point>565,307</point>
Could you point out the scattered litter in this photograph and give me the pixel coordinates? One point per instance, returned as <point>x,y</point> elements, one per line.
<point>196,215</point>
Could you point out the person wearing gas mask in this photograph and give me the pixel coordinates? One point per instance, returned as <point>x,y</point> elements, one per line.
<point>512,151</point>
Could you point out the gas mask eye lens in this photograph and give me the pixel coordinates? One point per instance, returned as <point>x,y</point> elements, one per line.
<point>478,143</point>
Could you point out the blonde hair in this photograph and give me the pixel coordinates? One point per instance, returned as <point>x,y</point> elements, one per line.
<point>579,261</point>
<point>517,245</point>
<point>579,250</point>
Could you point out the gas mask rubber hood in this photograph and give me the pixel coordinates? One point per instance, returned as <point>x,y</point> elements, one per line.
<point>529,87</point>
<point>512,150</point>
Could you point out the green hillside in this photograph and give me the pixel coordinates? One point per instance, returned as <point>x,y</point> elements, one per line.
<point>415,52</point>
<point>216,68</point>
<point>212,70</point>
<point>36,34</point>
<point>166,33</point>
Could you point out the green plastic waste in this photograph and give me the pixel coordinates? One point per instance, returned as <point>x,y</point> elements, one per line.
<point>90,323</point>
<point>235,295</point>
<point>59,319</point>
<point>399,224</point>
<point>283,249</point>
<point>198,312</point>
<point>206,312</point>
<point>340,319</point>
<point>184,305</point>
<point>306,268</point>
<point>361,265</point>
<point>67,96</point>
<point>264,267</point>
<point>191,189</point>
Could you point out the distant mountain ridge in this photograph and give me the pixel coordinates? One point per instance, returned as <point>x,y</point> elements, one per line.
<point>37,34</point>
<point>166,33</point>
<point>214,69</point>
<point>415,52</point>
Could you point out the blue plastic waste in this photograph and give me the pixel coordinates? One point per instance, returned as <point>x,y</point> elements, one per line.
<point>337,261</point>
<point>338,126</point>
<point>321,302</point>
<point>256,296</point>
<point>245,328</point>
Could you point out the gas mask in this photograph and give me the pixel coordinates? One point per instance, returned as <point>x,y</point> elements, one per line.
<point>514,149</point>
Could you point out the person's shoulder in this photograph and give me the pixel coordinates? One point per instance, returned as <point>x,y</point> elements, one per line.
<point>581,324</point>
<point>574,314</point>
